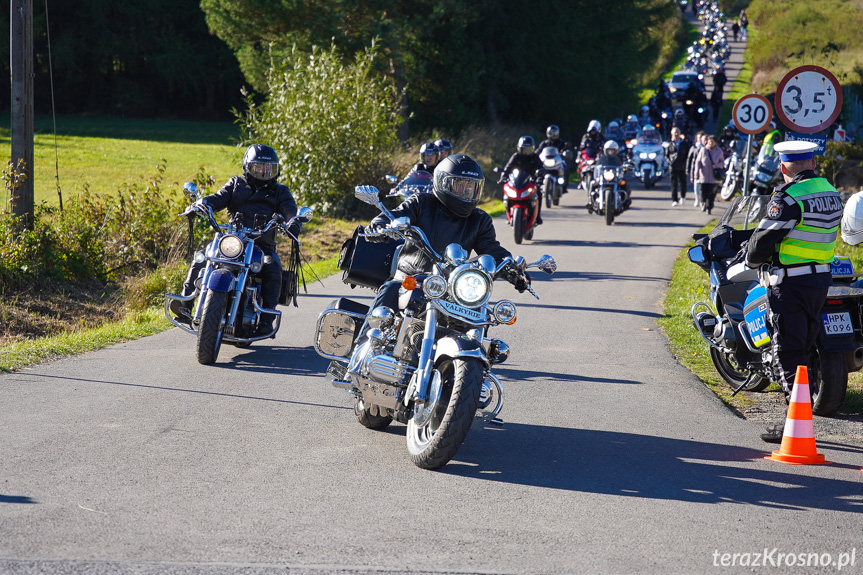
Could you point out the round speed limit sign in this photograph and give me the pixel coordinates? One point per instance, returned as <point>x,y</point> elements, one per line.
<point>808,99</point>
<point>752,114</point>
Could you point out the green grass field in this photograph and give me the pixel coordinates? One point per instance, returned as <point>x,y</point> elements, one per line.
<point>106,154</point>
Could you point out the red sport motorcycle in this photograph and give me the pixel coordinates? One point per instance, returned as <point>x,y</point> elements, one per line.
<point>585,167</point>
<point>521,198</point>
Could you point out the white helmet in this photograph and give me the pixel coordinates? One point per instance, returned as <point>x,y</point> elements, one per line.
<point>852,220</point>
<point>611,147</point>
<point>594,125</point>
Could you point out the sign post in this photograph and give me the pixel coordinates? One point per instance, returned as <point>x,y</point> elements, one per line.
<point>751,115</point>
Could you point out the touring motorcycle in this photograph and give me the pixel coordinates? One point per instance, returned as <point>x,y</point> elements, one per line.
<point>735,325</point>
<point>416,182</point>
<point>551,175</point>
<point>427,364</point>
<point>609,193</point>
<point>228,289</point>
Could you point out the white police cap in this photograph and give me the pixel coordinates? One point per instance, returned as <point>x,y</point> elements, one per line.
<point>795,150</point>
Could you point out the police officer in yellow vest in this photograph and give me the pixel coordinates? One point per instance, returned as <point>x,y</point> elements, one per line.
<point>796,239</point>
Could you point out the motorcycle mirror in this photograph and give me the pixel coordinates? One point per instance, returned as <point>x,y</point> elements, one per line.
<point>696,255</point>
<point>305,214</point>
<point>367,195</point>
<point>191,191</point>
<point>546,263</point>
<point>391,179</point>
<point>496,169</point>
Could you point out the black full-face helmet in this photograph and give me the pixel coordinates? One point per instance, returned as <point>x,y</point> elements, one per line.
<point>458,183</point>
<point>429,154</point>
<point>552,132</point>
<point>444,148</point>
<point>526,146</point>
<point>260,165</point>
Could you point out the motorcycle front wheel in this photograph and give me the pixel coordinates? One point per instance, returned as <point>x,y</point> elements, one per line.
<point>548,192</point>
<point>518,224</point>
<point>434,444</point>
<point>210,330</point>
<point>728,369</point>
<point>608,200</point>
<point>729,188</point>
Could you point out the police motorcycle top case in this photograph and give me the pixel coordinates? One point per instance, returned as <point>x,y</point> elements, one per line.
<point>736,325</point>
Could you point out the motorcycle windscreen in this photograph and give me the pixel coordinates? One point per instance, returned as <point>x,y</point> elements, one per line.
<point>755,315</point>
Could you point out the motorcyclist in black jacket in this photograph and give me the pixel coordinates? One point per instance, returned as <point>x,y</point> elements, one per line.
<point>524,159</point>
<point>255,197</point>
<point>447,215</point>
<point>428,158</point>
<point>552,134</point>
<point>592,139</point>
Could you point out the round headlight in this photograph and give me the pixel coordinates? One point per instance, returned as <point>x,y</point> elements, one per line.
<point>651,155</point>
<point>504,312</point>
<point>643,155</point>
<point>230,246</point>
<point>434,286</point>
<point>470,288</point>
<point>608,175</point>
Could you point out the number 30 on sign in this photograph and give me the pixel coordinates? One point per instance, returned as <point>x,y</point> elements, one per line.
<point>752,114</point>
<point>808,99</point>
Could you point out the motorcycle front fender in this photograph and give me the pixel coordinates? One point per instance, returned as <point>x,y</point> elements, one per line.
<point>460,347</point>
<point>220,280</point>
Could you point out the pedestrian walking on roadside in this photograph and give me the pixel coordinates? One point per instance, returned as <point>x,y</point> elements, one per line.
<point>677,155</point>
<point>697,144</point>
<point>744,25</point>
<point>709,158</point>
<point>735,29</point>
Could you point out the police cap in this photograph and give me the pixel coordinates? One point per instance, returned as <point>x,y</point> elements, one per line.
<point>795,150</point>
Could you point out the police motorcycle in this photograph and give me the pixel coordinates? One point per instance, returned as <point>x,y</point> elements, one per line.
<point>648,158</point>
<point>766,173</point>
<point>552,175</point>
<point>429,363</point>
<point>609,194</point>
<point>416,182</point>
<point>735,327</point>
<point>228,289</point>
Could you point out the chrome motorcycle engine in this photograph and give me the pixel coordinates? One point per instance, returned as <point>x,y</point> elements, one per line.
<point>380,377</point>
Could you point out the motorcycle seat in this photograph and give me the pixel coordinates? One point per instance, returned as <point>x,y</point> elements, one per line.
<point>740,272</point>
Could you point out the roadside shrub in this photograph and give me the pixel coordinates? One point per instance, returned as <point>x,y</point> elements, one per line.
<point>333,125</point>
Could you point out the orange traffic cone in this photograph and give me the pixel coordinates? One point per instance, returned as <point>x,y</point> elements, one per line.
<point>798,437</point>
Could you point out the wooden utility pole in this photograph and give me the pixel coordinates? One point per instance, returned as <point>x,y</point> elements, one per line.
<point>21,63</point>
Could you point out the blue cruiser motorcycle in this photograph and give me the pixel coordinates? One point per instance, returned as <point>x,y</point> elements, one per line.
<point>228,289</point>
<point>735,327</point>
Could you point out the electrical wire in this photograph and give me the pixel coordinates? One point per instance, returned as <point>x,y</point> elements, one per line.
<point>53,110</point>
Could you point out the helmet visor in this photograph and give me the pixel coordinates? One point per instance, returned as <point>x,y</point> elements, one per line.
<point>526,150</point>
<point>465,189</point>
<point>263,172</point>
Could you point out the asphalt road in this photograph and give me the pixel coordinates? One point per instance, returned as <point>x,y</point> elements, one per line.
<point>613,458</point>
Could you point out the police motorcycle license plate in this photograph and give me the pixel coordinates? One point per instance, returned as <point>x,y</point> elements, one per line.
<point>841,267</point>
<point>837,323</point>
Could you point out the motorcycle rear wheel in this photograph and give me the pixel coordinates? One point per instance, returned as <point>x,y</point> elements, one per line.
<point>734,376</point>
<point>828,380</point>
<point>518,224</point>
<point>433,445</point>
<point>210,330</point>
<point>608,200</point>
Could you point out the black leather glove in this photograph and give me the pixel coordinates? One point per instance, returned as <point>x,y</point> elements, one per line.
<point>377,239</point>
<point>278,218</point>
<point>521,283</point>
<point>294,229</point>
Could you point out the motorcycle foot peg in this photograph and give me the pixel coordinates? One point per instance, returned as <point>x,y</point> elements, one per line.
<point>496,421</point>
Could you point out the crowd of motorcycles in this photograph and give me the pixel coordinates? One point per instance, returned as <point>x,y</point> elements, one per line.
<point>429,363</point>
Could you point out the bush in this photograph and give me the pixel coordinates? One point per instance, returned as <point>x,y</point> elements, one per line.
<point>333,125</point>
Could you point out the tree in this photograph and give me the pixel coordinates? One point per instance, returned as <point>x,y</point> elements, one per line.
<point>333,125</point>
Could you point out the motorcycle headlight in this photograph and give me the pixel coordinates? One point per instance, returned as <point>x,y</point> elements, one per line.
<point>651,155</point>
<point>434,286</point>
<point>700,110</point>
<point>643,155</point>
<point>230,246</point>
<point>549,162</point>
<point>608,175</point>
<point>470,287</point>
<point>504,312</point>
<point>199,257</point>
